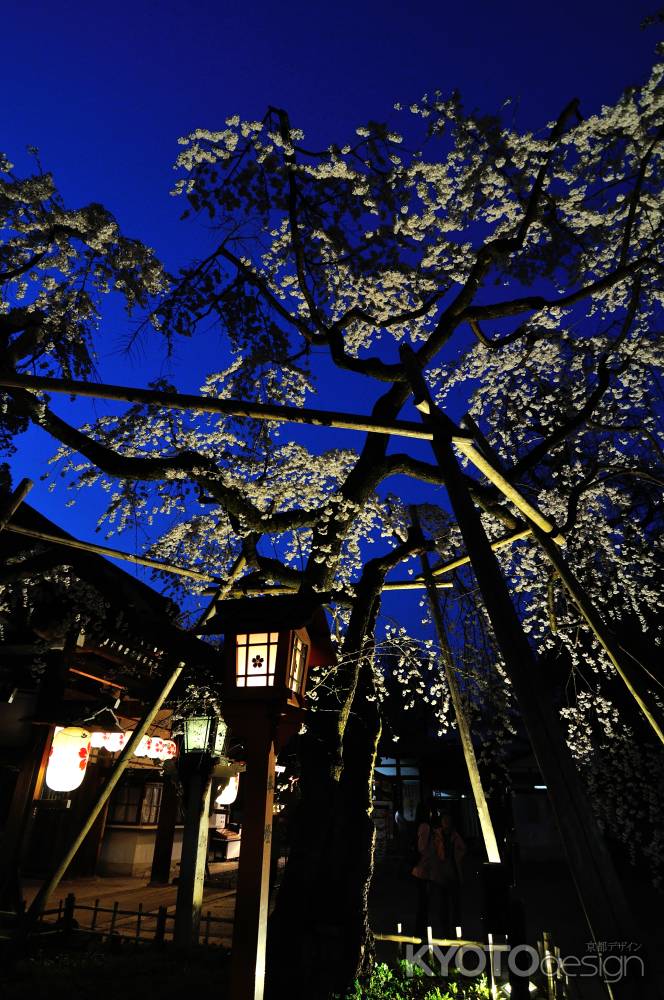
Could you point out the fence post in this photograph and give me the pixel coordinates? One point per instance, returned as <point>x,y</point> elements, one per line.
<point>68,913</point>
<point>160,929</point>
<point>548,960</point>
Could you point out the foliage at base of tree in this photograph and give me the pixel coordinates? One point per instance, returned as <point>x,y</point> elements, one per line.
<point>409,982</point>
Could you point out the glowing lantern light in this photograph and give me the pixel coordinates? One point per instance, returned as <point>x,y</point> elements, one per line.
<point>228,794</point>
<point>68,759</point>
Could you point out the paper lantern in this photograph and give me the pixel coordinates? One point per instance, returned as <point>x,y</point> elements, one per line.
<point>68,759</point>
<point>228,794</point>
<point>150,746</point>
<point>109,741</point>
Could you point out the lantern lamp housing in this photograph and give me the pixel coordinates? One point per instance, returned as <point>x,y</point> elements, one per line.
<point>197,733</point>
<point>205,734</point>
<point>269,645</point>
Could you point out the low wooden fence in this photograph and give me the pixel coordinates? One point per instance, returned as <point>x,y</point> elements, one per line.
<point>142,926</point>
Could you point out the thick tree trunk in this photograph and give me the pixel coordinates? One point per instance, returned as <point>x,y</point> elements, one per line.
<point>296,930</point>
<point>354,839</point>
<point>319,939</point>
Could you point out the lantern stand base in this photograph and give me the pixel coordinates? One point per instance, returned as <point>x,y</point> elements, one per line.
<point>189,902</point>
<point>262,734</point>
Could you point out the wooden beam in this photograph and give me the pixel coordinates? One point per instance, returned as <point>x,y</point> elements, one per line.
<point>598,627</point>
<point>103,550</point>
<point>222,589</point>
<point>14,501</point>
<point>287,414</point>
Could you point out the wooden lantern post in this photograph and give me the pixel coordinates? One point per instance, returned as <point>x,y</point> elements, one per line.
<point>269,645</point>
<point>204,743</point>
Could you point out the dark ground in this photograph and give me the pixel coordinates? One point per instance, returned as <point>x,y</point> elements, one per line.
<point>148,974</point>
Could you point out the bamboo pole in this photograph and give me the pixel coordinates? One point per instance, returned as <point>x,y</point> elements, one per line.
<point>14,501</point>
<point>104,550</point>
<point>224,588</point>
<point>488,832</point>
<point>599,889</point>
<point>508,490</point>
<point>594,621</point>
<point>223,407</point>
<point>499,543</point>
<point>582,600</point>
<point>53,880</point>
<point>257,588</point>
<point>288,414</point>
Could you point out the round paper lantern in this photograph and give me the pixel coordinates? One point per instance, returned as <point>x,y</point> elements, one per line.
<point>228,794</point>
<point>109,741</point>
<point>68,759</point>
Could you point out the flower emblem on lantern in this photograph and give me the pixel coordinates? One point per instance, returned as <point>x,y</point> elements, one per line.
<point>257,663</point>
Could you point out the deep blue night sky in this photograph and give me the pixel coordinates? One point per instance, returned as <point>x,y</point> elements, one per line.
<point>104,91</point>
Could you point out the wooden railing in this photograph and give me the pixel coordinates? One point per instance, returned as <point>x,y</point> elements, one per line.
<point>140,925</point>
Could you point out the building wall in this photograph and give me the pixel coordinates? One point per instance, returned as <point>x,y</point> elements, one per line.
<point>128,850</point>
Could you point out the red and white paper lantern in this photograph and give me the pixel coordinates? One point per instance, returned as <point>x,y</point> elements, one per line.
<point>68,759</point>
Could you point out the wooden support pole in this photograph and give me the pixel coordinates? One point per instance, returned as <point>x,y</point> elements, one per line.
<point>488,833</point>
<point>52,881</point>
<point>507,489</point>
<point>223,588</point>
<point>499,543</point>
<point>288,414</point>
<point>256,588</point>
<point>104,550</point>
<point>224,407</point>
<point>252,897</point>
<point>582,600</point>
<point>14,501</point>
<point>194,853</point>
<point>590,863</point>
<point>160,873</point>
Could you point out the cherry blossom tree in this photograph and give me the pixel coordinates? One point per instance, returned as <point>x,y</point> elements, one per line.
<point>524,268</point>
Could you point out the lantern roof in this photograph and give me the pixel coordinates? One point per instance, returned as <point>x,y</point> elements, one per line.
<point>277,612</point>
<point>274,613</point>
